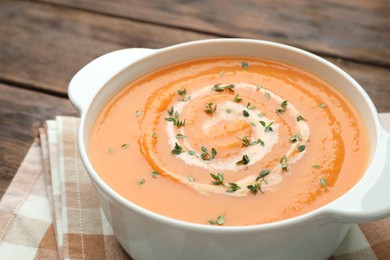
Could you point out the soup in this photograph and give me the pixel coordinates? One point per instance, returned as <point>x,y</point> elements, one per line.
<point>229,141</point>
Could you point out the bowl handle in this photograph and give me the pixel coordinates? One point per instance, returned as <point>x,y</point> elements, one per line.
<point>92,77</point>
<point>372,202</point>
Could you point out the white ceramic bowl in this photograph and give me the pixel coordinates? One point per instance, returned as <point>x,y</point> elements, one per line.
<point>147,235</point>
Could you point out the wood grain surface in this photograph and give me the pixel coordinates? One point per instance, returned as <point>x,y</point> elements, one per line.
<point>22,112</point>
<point>358,29</point>
<point>44,43</point>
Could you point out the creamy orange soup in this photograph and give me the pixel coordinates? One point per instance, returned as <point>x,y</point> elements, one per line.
<point>229,141</point>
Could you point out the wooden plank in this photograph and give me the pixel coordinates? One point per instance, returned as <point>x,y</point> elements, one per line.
<point>357,30</point>
<point>44,46</point>
<point>22,112</point>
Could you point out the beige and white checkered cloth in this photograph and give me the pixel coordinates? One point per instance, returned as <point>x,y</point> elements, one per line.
<point>51,211</point>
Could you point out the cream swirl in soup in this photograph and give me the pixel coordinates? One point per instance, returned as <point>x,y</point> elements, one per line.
<point>230,141</point>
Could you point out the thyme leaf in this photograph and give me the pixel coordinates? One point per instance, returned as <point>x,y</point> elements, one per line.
<point>219,221</point>
<point>177,149</point>
<point>267,128</point>
<point>244,65</point>
<point>237,99</point>
<point>283,163</point>
<point>219,88</point>
<point>205,154</point>
<point>323,182</point>
<point>283,108</point>
<point>246,142</point>
<point>174,118</point>
<point>301,148</point>
<point>245,160</point>
<point>300,118</point>
<point>210,109</point>
<point>154,174</point>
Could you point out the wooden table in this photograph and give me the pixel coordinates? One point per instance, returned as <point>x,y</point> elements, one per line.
<point>44,43</point>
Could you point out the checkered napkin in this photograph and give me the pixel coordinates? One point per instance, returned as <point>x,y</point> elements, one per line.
<point>51,211</point>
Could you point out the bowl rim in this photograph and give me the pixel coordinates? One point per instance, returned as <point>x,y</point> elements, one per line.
<point>325,212</point>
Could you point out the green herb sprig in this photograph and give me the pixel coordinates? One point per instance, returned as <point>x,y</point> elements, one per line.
<point>183,93</point>
<point>295,138</point>
<point>237,98</point>
<point>205,154</point>
<point>283,108</point>
<point>174,118</point>
<point>283,163</point>
<point>219,88</point>
<point>245,160</point>
<point>177,149</point>
<point>246,142</point>
<point>219,180</point>
<point>210,109</point>
<point>267,128</point>
<point>254,188</point>
<point>219,221</point>
<point>244,65</point>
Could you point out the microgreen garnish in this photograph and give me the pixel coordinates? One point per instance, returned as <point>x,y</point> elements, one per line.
<point>301,148</point>
<point>260,114</point>
<point>245,160</point>
<point>177,149</point>
<point>174,118</point>
<point>317,166</point>
<point>245,113</point>
<point>246,142</point>
<point>232,187</point>
<point>138,113</point>
<point>249,107</point>
<point>258,87</point>
<point>322,105</point>
<point>283,108</point>
<point>283,163</point>
<point>267,95</point>
<point>253,123</point>
<point>219,88</point>
<point>210,109</point>
<point>218,179</point>
<point>141,181</point>
<point>180,136</point>
<point>154,134</point>
<point>183,93</point>
<point>125,146</point>
<point>244,65</point>
<point>237,99</point>
<point>205,154</point>
<point>323,182</point>
<point>219,221</point>
<point>110,150</point>
<point>300,118</point>
<point>191,178</point>
<point>228,110</point>
<point>154,174</point>
<point>267,128</point>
